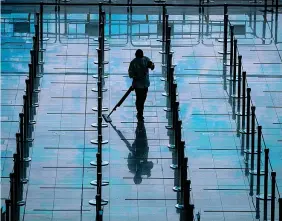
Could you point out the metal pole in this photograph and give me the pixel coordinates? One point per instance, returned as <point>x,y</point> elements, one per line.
<point>41,26</point>
<point>8,209</point>
<point>252,149</point>
<point>180,204</point>
<point>273,183</point>
<point>258,159</point>
<point>231,50</point>
<point>164,24</point>
<point>18,166</point>
<point>26,131</point>
<point>248,123</point>
<point>13,197</point>
<point>280,208</point>
<point>234,66</point>
<point>244,100</point>
<point>225,28</point>
<point>239,83</point>
<point>265,195</point>
<point>177,143</point>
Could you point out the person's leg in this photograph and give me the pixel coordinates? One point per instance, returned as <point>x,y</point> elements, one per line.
<point>138,102</point>
<point>141,95</point>
<point>144,96</point>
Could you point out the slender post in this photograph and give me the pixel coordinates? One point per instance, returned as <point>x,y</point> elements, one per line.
<point>244,100</point>
<point>252,149</point>
<point>273,183</point>
<point>265,197</point>
<point>8,209</point>
<point>164,23</point>
<point>13,197</point>
<point>265,5</point>
<point>239,83</point>
<point>41,26</point>
<point>280,208</point>
<point>225,28</point>
<point>26,130</point>
<point>248,123</point>
<point>231,50</point>
<point>186,194</point>
<point>234,66</point>
<point>180,204</point>
<point>258,159</point>
<point>18,165</point>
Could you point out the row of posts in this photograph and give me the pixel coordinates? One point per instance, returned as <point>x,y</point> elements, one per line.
<point>24,138</point>
<point>244,112</point>
<point>99,202</point>
<point>180,163</point>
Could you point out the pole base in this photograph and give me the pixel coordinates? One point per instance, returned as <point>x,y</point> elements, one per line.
<point>173,166</point>
<point>31,122</point>
<point>105,49</point>
<point>250,152</point>
<point>244,131</point>
<point>179,206</point>
<point>103,109</point>
<point>104,183</point>
<point>222,52</point>
<point>103,163</point>
<point>104,62</point>
<point>103,202</point>
<point>176,189</point>
<point>21,203</point>
<point>254,172</point>
<point>96,89</point>
<point>171,146</point>
<point>35,105</point>
<point>96,76</point>
<point>222,40</point>
<point>24,180</point>
<point>241,114</point>
<point>261,197</point>
<point>27,159</point>
<point>96,141</point>
<point>167,109</point>
<point>95,125</point>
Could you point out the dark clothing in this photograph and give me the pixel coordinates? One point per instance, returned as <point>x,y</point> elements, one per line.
<point>141,95</point>
<point>139,71</point>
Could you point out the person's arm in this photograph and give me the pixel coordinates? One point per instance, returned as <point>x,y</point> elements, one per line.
<point>130,70</point>
<point>151,65</point>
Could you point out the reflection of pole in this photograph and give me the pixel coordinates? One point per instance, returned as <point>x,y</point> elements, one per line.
<point>264,28</point>
<point>273,183</point>
<point>276,26</point>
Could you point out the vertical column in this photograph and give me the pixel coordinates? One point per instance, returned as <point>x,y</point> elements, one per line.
<point>273,183</point>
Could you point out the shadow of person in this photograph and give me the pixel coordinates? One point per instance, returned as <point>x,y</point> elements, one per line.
<point>137,162</point>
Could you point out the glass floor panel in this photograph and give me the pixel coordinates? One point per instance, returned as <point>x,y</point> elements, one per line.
<point>60,172</point>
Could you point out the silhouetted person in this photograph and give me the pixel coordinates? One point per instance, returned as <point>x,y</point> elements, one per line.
<point>138,158</point>
<point>139,71</point>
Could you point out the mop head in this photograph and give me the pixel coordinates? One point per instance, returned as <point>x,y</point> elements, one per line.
<point>107,118</point>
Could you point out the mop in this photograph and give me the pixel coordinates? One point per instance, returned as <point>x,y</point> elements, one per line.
<point>107,118</point>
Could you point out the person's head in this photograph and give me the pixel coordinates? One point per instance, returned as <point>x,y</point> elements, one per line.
<point>139,53</point>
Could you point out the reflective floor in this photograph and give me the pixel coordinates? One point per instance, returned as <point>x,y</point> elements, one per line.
<point>140,178</point>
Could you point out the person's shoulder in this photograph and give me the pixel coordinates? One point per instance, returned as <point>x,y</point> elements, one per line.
<point>148,59</point>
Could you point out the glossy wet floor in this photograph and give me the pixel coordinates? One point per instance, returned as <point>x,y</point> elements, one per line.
<point>140,178</point>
